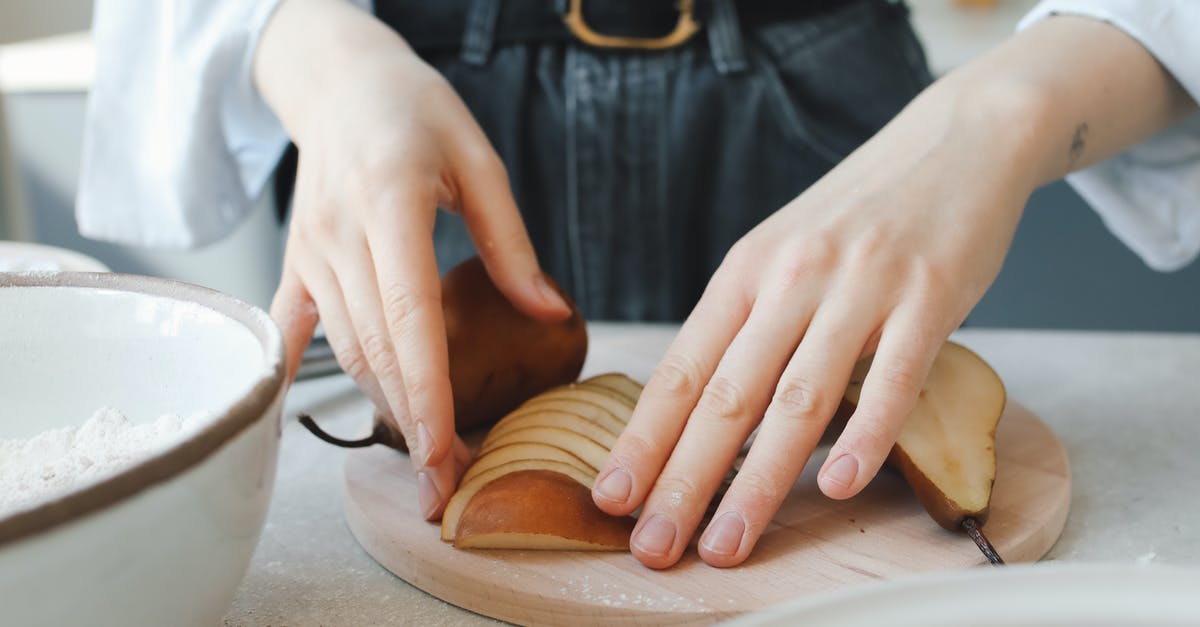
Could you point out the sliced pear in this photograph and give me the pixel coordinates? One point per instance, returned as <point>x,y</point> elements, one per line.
<point>618,383</point>
<point>555,419</point>
<point>467,490</point>
<point>518,450</point>
<point>589,451</point>
<point>946,450</point>
<point>497,516</point>
<point>584,409</point>
<point>617,404</point>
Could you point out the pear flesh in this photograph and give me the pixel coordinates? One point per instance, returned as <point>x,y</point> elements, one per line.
<point>946,450</point>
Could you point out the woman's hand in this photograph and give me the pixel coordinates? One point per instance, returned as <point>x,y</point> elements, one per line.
<point>885,255</point>
<point>384,141</point>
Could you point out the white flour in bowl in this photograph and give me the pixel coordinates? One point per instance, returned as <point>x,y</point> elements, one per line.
<point>58,461</point>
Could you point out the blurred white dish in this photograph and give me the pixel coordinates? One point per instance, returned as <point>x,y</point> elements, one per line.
<point>1045,595</point>
<point>167,540</point>
<point>29,257</point>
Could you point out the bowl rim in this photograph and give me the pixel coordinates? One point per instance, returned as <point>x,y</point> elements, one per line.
<point>171,462</point>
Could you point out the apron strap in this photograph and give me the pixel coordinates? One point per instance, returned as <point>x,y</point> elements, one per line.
<point>480,31</point>
<point>725,38</point>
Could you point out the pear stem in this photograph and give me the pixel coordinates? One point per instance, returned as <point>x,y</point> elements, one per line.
<point>971,526</point>
<point>381,434</point>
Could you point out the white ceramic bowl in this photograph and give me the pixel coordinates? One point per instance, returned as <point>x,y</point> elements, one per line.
<point>23,256</point>
<point>165,541</point>
<point>1023,595</point>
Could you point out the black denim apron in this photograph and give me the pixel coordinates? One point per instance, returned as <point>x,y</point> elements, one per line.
<point>636,171</point>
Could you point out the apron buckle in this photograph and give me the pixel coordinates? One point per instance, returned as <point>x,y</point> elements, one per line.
<point>684,29</point>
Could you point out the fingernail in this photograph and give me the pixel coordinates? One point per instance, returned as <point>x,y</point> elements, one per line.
<point>724,535</point>
<point>549,294</point>
<point>615,486</point>
<point>424,443</point>
<point>428,495</point>
<point>842,471</point>
<point>656,536</point>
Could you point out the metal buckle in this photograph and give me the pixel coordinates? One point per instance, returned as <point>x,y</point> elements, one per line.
<point>684,29</point>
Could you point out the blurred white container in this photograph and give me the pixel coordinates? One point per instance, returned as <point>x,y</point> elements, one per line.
<point>167,540</point>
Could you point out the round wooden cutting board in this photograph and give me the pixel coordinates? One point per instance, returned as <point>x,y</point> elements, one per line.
<point>814,544</point>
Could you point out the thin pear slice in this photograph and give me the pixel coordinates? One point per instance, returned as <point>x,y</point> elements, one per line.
<point>468,489</point>
<point>584,409</point>
<point>499,516</point>
<point>589,451</point>
<point>618,383</point>
<point>518,450</point>
<point>615,403</point>
<point>946,450</point>
<point>555,419</point>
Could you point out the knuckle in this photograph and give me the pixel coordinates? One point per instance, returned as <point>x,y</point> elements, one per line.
<point>377,349</point>
<point>897,382</point>
<point>799,399</point>
<point>812,258</point>
<point>401,304</point>
<point>757,490</point>
<point>678,375</point>
<point>632,446</point>
<point>677,489</point>
<point>868,437</point>
<point>478,156</point>
<point>723,400</point>
<point>419,387</point>
<point>352,360</point>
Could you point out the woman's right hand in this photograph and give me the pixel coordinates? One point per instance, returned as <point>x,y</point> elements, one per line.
<point>384,141</point>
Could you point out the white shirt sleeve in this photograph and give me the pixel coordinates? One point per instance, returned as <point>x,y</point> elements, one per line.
<point>178,143</point>
<point>1149,195</point>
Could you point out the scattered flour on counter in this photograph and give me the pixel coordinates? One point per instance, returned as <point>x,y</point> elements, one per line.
<point>55,462</point>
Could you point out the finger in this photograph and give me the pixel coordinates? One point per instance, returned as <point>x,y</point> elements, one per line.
<point>902,361</point>
<point>343,339</point>
<point>495,225</point>
<point>293,309</point>
<point>639,454</point>
<point>730,406</point>
<point>436,484</point>
<point>410,292</point>
<point>354,272</point>
<point>806,397</point>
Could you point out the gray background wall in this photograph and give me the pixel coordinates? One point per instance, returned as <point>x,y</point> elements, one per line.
<point>1066,270</point>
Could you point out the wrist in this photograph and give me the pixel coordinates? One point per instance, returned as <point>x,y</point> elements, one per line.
<point>308,49</point>
<point>1013,122</point>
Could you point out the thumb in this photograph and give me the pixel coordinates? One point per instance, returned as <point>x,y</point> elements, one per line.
<point>294,311</point>
<point>495,225</point>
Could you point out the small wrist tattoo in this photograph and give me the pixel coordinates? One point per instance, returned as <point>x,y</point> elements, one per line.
<point>1078,143</point>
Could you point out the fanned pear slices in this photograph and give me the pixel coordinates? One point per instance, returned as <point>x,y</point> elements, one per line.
<point>946,450</point>
<point>530,486</point>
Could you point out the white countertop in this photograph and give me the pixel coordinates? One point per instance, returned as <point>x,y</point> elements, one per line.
<point>1126,406</point>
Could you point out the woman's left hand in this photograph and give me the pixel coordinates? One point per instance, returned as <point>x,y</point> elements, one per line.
<point>884,255</point>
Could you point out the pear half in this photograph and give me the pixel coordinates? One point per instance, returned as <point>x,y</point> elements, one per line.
<point>946,451</point>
